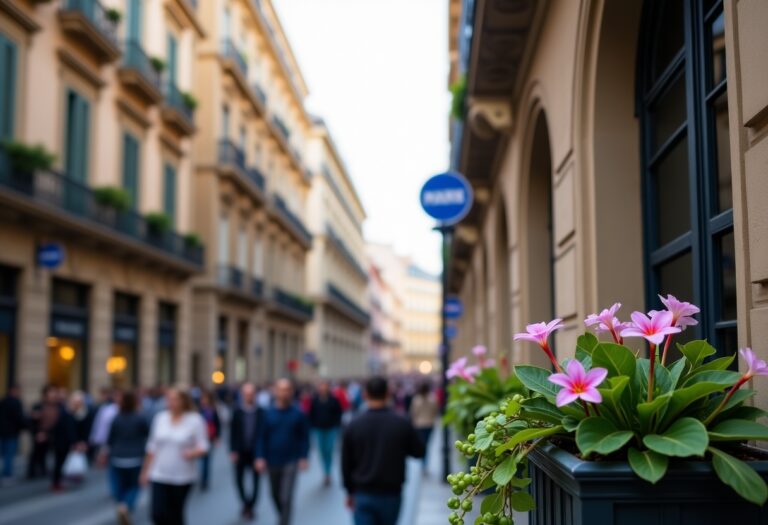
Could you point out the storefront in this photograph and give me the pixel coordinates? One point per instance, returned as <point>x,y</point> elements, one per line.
<point>122,363</point>
<point>68,335</point>
<point>166,344</point>
<point>8,283</point>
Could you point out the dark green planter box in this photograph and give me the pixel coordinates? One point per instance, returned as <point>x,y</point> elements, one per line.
<point>569,491</point>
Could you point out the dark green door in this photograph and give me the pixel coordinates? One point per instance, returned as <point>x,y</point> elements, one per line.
<point>77,135</point>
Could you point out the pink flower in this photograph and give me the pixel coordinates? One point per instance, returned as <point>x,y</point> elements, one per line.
<point>755,366</point>
<point>681,311</point>
<point>605,320</point>
<point>653,329</point>
<point>539,332</point>
<point>578,384</point>
<point>479,351</point>
<point>460,369</point>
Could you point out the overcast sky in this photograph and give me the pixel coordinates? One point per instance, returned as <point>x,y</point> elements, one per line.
<point>377,73</point>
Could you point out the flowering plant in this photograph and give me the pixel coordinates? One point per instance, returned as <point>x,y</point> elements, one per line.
<point>476,390</point>
<point>611,403</point>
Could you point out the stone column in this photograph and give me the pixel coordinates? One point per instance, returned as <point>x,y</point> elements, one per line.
<point>101,310</point>
<point>33,321</point>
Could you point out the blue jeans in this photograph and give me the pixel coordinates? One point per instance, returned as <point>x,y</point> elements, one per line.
<point>112,476</point>
<point>127,485</point>
<point>9,446</point>
<point>205,470</point>
<point>425,434</point>
<point>326,442</point>
<point>376,509</point>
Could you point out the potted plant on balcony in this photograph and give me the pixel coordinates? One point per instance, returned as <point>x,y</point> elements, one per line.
<point>192,240</point>
<point>458,98</point>
<point>158,224</point>
<point>158,64</point>
<point>612,438</point>
<point>110,202</point>
<point>189,100</point>
<point>24,160</point>
<point>114,15</point>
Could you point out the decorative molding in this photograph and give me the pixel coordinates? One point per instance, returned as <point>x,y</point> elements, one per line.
<point>82,69</point>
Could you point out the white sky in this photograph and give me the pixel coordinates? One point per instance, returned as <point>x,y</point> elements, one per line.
<point>377,73</point>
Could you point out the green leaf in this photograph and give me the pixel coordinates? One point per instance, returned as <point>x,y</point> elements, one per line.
<point>721,377</point>
<point>522,502</point>
<point>721,363</point>
<point>675,371</point>
<point>685,397</point>
<point>617,359</point>
<point>598,434</point>
<point>505,471</point>
<point>520,483</point>
<point>513,407</point>
<point>696,352</point>
<point>542,410</point>
<point>570,423</point>
<point>738,430</point>
<point>529,434</point>
<point>483,439</point>
<point>663,379</point>
<point>747,412</point>
<point>685,437</point>
<point>535,378</point>
<point>650,413</point>
<point>739,476</point>
<point>585,344</point>
<point>649,465</point>
<point>612,396</point>
<point>486,409</point>
<point>492,503</point>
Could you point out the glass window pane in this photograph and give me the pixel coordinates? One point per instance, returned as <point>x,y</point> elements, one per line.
<point>672,204</point>
<point>668,112</point>
<point>65,363</point>
<point>726,266</point>
<point>676,277</point>
<point>668,36</point>
<point>717,42</point>
<point>727,341</point>
<point>724,190</point>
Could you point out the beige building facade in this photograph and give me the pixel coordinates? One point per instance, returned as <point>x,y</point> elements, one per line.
<point>422,296</point>
<point>617,151</point>
<point>337,276</point>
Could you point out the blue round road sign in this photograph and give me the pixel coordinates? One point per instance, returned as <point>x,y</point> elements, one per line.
<point>447,197</point>
<point>453,307</point>
<point>451,331</point>
<point>50,255</point>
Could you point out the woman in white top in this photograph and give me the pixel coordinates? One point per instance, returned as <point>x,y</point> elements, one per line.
<point>177,439</point>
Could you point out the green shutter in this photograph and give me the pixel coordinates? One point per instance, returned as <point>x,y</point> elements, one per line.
<point>172,51</point>
<point>131,168</point>
<point>169,192</point>
<point>8,58</point>
<point>78,136</point>
<point>134,20</point>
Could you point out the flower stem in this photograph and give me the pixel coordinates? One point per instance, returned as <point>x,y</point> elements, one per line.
<point>666,347</point>
<point>615,336</point>
<point>651,372</point>
<point>586,407</point>
<point>597,410</point>
<point>727,398</point>
<point>551,356</point>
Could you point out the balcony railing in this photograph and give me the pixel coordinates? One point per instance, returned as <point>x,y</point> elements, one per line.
<point>230,276</point>
<point>281,127</point>
<point>230,50</point>
<point>176,100</point>
<point>96,15</point>
<point>293,303</point>
<point>256,177</point>
<point>135,58</point>
<point>339,296</point>
<point>55,190</point>
<point>345,252</point>
<point>292,219</point>
<point>260,94</point>
<point>230,153</point>
<point>257,287</point>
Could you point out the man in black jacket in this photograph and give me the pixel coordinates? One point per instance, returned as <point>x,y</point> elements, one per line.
<point>374,449</point>
<point>244,430</point>
<point>325,419</point>
<point>11,425</point>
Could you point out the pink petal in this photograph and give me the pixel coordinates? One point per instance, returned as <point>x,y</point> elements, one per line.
<point>560,379</point>
<point>661,320</point>
<point>655,338</point>
<point>595,376</point>
<point>565,397</point>
<point>591,320</point>
<point>632,332</point>
<point>641,320</point>
<point>575,371</point>
<point>591,395</point>
<point>522,336</point>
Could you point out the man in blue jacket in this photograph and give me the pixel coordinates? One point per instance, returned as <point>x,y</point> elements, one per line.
<point>282,447</point>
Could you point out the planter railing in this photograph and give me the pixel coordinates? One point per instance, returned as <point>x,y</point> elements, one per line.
<point>292,219</point>
<point>230,153</point>
<point>337,295</point>
<point>292,302</point>
<point>96,14</point>
<point>135,58</point>
<point>230,50</point>
<point>55,190</point>
<point>256,177</point>
<point>230,276</point>
<point>175,99</point>
<point>257,287</point>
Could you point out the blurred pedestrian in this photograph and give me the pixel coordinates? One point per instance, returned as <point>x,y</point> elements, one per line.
<point>245,428</point>
<point>423,411</point>
<point>282,447</point>
<point>105,414</point>
<point>153,403</point>
<point>213,428</point>
<point>11,425</point>
<point>37,463</point>
<point>325,419</point>
<point>126,443</point>
<point>58,430</point>
<point>374,449</point>
<point>82,416</point>
<point>264,397</point>
<point>177,440</point>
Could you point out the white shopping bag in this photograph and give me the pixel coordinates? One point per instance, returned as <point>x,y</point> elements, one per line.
<point>76,465</point>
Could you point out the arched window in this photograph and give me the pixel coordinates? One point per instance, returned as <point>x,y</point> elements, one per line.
<point>683,107</point>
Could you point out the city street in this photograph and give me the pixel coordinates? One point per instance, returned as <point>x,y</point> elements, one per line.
<point>32,503</point>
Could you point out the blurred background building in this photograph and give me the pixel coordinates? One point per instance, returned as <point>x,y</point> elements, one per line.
<point>421,320</point>
<point>617,151</point>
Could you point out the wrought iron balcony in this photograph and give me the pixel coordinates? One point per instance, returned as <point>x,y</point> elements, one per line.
<point>229,276</point>
<point>229,50</point>
<point>179,111</point>
<point>353,309</point>
<point>260,94</point>
<point>256,177</point>
<point>138,73</point>
<point>47,191</point>
<point>281,127</point>
<point>304,234</point>
<point>257,287</point>
<point>345,252</point>
<point>231,154</point>
<point>91,23</point>
<point>294,304</point>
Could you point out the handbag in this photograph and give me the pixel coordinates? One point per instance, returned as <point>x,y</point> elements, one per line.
<point>76,465</point>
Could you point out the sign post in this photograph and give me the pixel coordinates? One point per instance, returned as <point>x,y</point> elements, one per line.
<point>447,198</point>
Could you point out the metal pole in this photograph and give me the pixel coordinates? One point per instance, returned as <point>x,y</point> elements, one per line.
<point>445,354</point>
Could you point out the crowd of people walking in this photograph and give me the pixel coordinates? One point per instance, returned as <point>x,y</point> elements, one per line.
<point>164,439</point>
